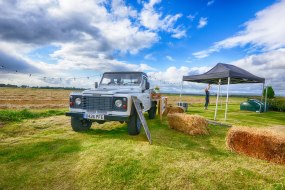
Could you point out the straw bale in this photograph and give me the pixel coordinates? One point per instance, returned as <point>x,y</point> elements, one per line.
<point>263,143</point>
<point>189,124</point>
<point>171,110</point>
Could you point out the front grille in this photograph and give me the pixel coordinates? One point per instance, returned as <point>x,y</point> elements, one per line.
<point>91,103</point>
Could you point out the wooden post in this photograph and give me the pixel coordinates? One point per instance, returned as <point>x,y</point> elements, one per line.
<point>158,106</point>
<point>181,91</point>
<point>162,106</point>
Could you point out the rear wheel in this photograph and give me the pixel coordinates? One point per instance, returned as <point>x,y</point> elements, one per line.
<point>152,112</point>
<point>79,124</point>
<point>134,124</point>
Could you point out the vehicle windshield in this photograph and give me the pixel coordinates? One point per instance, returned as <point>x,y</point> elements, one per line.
<point>111,79</point>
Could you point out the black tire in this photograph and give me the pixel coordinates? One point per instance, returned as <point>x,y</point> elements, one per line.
<point>100,122</point>
<point>78,124</point>
<point>152,112</point>
<point>134,124</point>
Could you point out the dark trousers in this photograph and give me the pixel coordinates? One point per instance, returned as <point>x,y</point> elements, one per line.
<point>207,102</point>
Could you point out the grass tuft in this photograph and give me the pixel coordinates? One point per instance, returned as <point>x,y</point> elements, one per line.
<point>19,115</point>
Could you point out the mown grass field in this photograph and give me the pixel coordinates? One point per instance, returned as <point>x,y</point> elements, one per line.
<point>40,151</point>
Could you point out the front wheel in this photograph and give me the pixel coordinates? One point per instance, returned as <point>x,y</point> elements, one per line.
<point>78,124</point>
<point>134,124</point>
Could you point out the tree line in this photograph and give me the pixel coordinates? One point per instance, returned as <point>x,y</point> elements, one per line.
<point>40,87</point>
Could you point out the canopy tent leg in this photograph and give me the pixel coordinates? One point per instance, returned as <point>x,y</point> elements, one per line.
<point>262,92</point>
<point>180,98</point>
<point>265,103</point>
<point>221,95</point>
<point>227,100</point>
<point>217,100</point>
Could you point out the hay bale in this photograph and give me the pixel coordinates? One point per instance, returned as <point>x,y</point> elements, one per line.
<point>189,124</point>
<point>172,110</point>
<point>267,144</point>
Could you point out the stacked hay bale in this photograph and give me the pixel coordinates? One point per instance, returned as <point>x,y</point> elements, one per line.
<point>172,110</point>
<point>267,144</point>
<point>189,124</point>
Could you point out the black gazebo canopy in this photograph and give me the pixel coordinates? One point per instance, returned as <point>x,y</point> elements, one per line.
<point>223,71</point>
<point>224,74</point>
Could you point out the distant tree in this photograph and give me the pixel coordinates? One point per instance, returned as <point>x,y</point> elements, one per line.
<point>270,92</point>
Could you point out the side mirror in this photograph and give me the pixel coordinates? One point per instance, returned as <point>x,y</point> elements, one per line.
<point>147,85</point>
<point>96,84</point>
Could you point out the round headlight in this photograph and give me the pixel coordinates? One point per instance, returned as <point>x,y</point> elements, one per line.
<point>77,101</point>
<point>118,103</point>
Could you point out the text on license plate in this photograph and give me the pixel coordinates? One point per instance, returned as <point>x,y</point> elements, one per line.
<point>94,116</point>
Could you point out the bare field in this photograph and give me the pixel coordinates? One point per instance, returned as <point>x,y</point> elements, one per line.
<point>19,98</point>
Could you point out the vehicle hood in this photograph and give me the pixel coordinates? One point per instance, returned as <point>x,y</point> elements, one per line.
<point>110,91</point>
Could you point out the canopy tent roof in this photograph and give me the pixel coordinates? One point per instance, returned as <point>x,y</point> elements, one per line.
<point>223,71</point>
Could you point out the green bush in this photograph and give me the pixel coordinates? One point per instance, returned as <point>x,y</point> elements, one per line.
<point>270,92</point>
<point>277,104</point>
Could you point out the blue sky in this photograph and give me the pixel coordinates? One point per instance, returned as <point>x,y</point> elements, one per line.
<point>224,19</point>
<point>61,39</point>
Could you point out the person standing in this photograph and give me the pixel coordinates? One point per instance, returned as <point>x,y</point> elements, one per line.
<point>207,97</point>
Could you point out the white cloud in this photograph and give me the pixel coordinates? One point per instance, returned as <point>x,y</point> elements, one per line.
<point>36,80</point>
<point>265,31</point>
<point>179,33</point>
<point>174,74</point>
<point>191,17</point>
<point>210,2</point>
<point>87,34</point>
<point>169,58</point>
<point>156,21</point>
<point>149,57</point>
<point>170,79</point>
<point>269,65</point>
<point>202,22</point>
<point>120,10</point>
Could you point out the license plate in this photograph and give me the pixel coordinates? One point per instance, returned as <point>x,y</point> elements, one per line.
<point>94,116</point>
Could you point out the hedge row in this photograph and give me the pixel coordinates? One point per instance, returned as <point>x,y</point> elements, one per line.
<point>277,104</point>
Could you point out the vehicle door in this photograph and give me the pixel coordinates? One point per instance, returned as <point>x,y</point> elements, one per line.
<point>145,96</point>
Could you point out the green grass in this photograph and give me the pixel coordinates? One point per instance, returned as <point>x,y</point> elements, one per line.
<point>38,150</point>
<point>238,117</point>
<point>45,153</point>
<point>19,115</point>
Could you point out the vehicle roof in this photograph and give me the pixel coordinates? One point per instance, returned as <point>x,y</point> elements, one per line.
<point>126,72</point>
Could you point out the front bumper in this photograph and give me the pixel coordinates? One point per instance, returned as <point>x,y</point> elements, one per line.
<point>106,117</point>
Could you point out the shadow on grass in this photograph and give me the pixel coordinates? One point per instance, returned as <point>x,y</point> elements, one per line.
<point>205,144</point>
<point>163,136</point>
<point>118,131</point>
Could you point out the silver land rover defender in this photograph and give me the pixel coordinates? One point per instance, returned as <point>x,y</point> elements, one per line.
<point>111,100</point>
